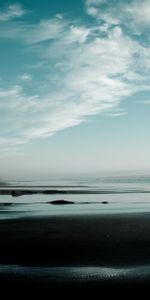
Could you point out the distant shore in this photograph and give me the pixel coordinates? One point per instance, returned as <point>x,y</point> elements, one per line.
<point>16,192</point>
<point>20,191</point>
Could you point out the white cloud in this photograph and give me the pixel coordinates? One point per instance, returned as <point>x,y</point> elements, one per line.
<point>4,141</point>
<point>78,34</point>
<point>12,11</point>
<point>89,70</point>
<point>95,2</point>
<point>45,30</point>
<point>117,114</point>
<point>25,77</point>
<point>134,14</point>
<point>139,12</point>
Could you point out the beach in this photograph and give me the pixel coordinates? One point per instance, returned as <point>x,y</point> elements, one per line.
<point>73,251</point>
<point>76,240</point>
<point>74,236</point>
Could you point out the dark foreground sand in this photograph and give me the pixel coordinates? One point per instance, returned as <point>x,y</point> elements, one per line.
<point>117,241</point>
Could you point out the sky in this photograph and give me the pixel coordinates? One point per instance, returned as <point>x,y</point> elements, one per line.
<point>74,86</point>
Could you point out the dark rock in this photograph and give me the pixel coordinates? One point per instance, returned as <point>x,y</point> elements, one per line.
<point>5,204</point>
<point>56,192</point>
<point>60,202</point>
<point>49,192</point>
<point>17,193</point>
<point>104,202</point>
<point>13,193</point>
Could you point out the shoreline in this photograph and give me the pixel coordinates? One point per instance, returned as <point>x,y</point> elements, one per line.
<point>16,192</point>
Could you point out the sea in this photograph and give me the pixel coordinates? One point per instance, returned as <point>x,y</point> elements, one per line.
<point>96,194</point>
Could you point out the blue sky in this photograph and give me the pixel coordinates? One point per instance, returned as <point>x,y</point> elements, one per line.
<point>74,86</point>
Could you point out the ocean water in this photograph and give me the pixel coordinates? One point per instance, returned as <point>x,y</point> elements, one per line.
<point>104,183</point>
<point>100,194</point>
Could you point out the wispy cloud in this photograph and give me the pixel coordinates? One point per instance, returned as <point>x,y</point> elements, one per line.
<point>87,70</point>
<point>25,77</point>
<point>133,14</point>
<point>146,101</point>
<point>12,11</point>
<point>45,30</point>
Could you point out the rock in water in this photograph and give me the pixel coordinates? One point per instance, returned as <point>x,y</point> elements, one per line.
<point>60,202</point>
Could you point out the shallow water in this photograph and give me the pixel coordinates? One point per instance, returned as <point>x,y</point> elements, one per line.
<point>77,274</point>
<point>36,205</point>
<point>123,194</point>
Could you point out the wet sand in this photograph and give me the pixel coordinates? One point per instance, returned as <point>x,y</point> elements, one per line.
<point>112,241</point>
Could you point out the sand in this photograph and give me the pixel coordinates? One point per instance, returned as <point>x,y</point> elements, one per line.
<point>108,241</point>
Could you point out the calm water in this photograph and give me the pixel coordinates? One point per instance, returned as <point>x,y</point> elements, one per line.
<point>123,193</point>
<point>109,183</point>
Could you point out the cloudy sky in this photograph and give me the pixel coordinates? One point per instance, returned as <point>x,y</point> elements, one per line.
<point>74,86</point>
